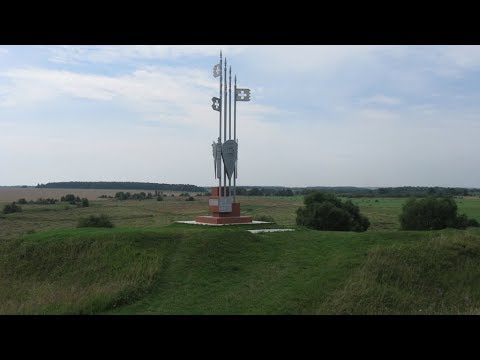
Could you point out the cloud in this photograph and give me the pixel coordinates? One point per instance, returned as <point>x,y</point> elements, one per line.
<point>448,61</point>
<point>381,100</point>
<point>319,115</point>
<point>425,109</point>
<point>126,53</point>
<point>163,94</point>
<point>306,58</point>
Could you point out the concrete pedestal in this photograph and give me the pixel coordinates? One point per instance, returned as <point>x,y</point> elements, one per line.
<point>217,217</point>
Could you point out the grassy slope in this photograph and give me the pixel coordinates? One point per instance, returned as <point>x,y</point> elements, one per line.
<point>181,269</point>
<point>434,276</point>
<point>145,267</point>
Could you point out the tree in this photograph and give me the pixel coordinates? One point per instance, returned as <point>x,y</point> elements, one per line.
<point>11,208</point>
<point>324,211</point>
<point>68,198</point>
<point>255,192</point>
<point>433,213</point>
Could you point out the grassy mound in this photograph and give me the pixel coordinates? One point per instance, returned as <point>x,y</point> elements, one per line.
<point>79,272</point>
<point>184,269</point>
<point>436,276</point>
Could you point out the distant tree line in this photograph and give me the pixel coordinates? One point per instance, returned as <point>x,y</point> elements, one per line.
<point>344,191</point>
<point>121,185</point>
<point>403,191</point>
<point>354,192</point>
<point>264,191</point>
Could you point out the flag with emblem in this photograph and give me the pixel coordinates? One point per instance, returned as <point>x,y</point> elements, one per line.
<point>216,104</point>
<point>217,70</point>
<point>242,94</point>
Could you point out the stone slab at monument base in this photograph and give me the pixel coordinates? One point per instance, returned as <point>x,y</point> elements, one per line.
<point>223,209</point>
<point>224,219</point>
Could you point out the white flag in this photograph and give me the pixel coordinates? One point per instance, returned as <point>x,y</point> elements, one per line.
<point>242,95</point>
<point>216,104</point>
<point>217,70</point>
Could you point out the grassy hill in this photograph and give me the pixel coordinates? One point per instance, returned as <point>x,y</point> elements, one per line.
<point>182,269</point>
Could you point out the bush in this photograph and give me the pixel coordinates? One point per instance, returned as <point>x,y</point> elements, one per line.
<point>433,213</point>
<point>266,218</point>
<point>324,211</point>
<point>11,208</point>
<point>190,198</point>
<point>159,198</point>
<point>42,201</point>
<point>122,195</point>
<point>68,198</point>
<point>95,221</point>
<point>85,202</point>
<point>22,201</point>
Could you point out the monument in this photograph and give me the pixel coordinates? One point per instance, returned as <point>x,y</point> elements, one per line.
<point>222,203</point>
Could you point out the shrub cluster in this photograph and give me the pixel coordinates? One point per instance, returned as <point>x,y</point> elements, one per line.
<point>433,213</point>
<point>11,208</point>
<point>136,196</point>
<point>266,218</point>
<point>75,200</point>
<point>95,221</point>
<point>324,211</point>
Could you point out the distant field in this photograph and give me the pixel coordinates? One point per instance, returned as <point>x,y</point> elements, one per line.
<point>15,193</point>
<point>382,212</point>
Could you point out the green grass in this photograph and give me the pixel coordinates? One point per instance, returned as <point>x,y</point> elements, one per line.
<point>382,212</point>
<point>79,271</point>
<point>182,269</point>
<point>469,205</point>
<point>436,276</point>
<point>147,265</point>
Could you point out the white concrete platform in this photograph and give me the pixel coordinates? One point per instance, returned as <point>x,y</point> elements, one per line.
<point>269,230</point>
<point>193,222</point>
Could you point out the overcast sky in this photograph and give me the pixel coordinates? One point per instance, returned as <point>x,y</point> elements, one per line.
<point>318,115</point>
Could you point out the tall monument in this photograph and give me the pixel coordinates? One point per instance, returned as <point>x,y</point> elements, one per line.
<point>222,204</point>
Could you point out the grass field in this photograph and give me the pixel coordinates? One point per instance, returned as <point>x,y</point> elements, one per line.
<point>147,265</point>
